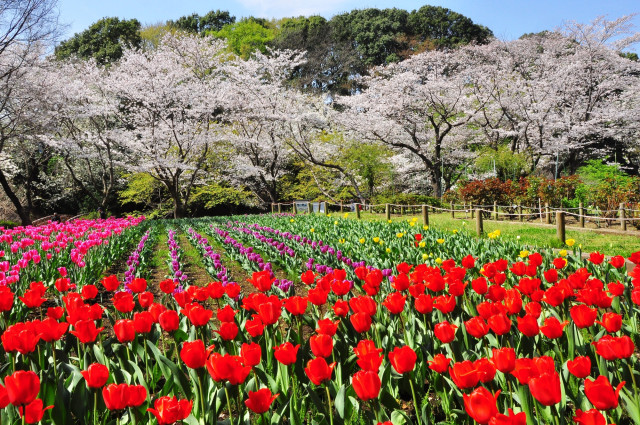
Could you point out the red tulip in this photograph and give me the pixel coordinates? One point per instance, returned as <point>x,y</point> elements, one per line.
<point>262,281</point>
<point>125,330</point>
<point>481,405</point>
<point>445,303</point>
<point>197,314</point>
<point>123,302</point>
<point>96,375</point>
<point>366,384</point>
<point>445,332</point>
<point>32,298</point>
<point>169,410</point>
<point>318,370</point>
<point>34,411</point>
<point>424,304</point>
<point>486,369</point>
<point>270,311</point>
<point>546,388</point>
<point>366,346</point>
<point>580,367</point>
<point>394,302</point>
<point>612,322</point>
<point>590,417</point>
<point>504,359</point>
<point>613,348</point>
<point>321,345</point>
<point>86,331</point>
<point>22,387</point>
<point>476,327</point>
<point>499,323</point>
<point>528,325</point>
<point>370,361</point>
<point>260,401</point>
<point>601,394</point>
<point>464,374</point>
<point>110,283</point>
<point>227,368</point>
<point>553,328</point>
<point>468,262</point>
<point>138,285</point>
<point>4,397</point>
<point>403,359</point>
<point>115,396</point>
<point>228,331</point>
<point>596,258</point>
<point>511,419</point>
<point>361,322</point>
<point>583,316</point>
<point>286,353</point>
<point>254,327</point>
<point>440,363</point>
<point>341,308</point>
<point>251,354</point>
<point>142,322</point>
<point>296,305</point>
<point>328,327</point>
<point>51,330</point>
<point>6,298</point>
<point>193,354</point>
<point>169,320</point>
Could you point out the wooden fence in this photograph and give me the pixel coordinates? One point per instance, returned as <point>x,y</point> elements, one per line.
<point>581,215</point>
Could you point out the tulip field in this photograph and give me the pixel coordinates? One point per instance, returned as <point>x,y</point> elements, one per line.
<point>310,319</point>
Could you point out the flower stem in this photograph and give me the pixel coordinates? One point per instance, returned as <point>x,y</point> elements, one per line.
<point>226,392</point>
<point>95,407</point>
<point>416,406</point>
<point>200,384</point>
<point>329,403</point>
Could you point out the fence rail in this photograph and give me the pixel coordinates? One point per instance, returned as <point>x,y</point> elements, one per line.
<point>623,215</point>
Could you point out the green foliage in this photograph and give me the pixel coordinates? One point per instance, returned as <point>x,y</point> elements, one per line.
<point>606,186</point>
<point>152,34</point>
<point>595,171</point>
<point>8,224</point>
<point>507,164</point>
<point>370,162</point>
<point>196,24</point>
<point>142,189</point>
<point>246,36</point>
<point>446,27</point>
<point>405,199</point>
<point>104,40</point>
<point>213,195</point>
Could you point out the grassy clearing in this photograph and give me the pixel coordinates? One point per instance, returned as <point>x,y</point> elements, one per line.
<point>530,235</point>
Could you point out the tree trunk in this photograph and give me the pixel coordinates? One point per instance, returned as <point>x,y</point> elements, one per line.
<point>24,213</point>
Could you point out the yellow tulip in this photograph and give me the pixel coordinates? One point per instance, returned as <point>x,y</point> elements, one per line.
<point>563,253</point>
<point>570,242</point>
<point>399,235</point>
<point>440,240</point>
<point>524,253</point>
<point>376,239</point>
<point>362,240</point>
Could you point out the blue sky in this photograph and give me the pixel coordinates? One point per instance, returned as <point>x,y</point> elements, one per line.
<point>508,19</point>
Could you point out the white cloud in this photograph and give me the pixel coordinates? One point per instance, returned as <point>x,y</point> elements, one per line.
<point>280,8</point>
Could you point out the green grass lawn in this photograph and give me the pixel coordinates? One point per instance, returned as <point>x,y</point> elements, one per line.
<point>529,235</point>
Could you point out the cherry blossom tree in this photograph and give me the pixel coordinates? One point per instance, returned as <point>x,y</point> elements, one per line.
<point>167,101</point>
<point>422,106</point>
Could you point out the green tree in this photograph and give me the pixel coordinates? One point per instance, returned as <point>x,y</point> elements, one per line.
<point>104,40</point>
<point>370,162</point>
<point>214,20</point>
<point>331,60</point>
<point>246,36</point>
<point>446,27</point>
<point>376,34</point>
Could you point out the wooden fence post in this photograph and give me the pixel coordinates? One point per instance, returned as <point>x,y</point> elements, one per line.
<point>547,213</point>
<point>358,211</point>
<point>473,211</point>
<point>273,208</point>
<point>341,207</point>
<point>581,213</point>
<point>401,210</point>
<point>520,216</point>
<point>309,211</point>
<point>279,208</point>
<point>326,208</point>
<point>560,228</point>
<point>495,210</point>
<point>295,208</point>
<point>425,215</point>
<point>623,216</point>
<point>540,208</point>
<point>453,211</point>
<point>479,229</point>
<point>387,211</point>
